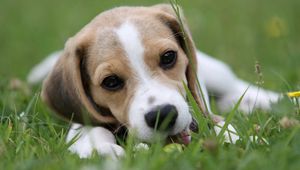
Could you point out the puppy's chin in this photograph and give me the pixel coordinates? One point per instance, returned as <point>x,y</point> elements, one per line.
<point>175,135</point>
<point>183,137</point>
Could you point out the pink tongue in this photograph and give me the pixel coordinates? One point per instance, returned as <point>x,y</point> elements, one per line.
<point>186,138</point>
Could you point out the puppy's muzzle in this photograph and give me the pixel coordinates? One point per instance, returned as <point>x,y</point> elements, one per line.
<point>162,117</point>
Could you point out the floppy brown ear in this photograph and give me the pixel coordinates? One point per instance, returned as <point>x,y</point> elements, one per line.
<point>66,89</point>
<point>184,38</point>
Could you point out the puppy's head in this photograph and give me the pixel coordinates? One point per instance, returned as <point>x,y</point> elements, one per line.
<point>127,67</point>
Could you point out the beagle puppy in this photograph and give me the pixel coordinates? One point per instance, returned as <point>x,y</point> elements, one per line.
<point>126,69</point>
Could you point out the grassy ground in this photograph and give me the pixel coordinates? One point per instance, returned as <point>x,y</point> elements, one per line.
<point>238,32</point>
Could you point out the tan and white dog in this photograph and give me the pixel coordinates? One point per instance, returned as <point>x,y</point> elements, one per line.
<point>127,68</point>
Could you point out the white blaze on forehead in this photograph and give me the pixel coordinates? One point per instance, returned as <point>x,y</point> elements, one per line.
<point>147,87</point>
<point>132,44</point>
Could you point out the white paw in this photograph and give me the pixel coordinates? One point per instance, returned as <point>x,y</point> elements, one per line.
<point>89,139</point>
<point>255,98</point>
<point>230,135</point>
<point>111,150</point>
<point>104,149</point>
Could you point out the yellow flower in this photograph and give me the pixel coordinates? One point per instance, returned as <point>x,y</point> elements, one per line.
<point>294,94</point>
<point>275,27</point>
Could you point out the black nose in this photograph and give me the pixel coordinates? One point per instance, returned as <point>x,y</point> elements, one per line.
<point>163,117</point>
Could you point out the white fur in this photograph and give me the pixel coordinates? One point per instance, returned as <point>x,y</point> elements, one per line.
<point>148,87</point>
<point>93,138</point>
<point>39,72</point>
<point>131,42</point>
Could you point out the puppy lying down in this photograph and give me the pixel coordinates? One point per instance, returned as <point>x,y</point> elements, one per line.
<point>125,69</point>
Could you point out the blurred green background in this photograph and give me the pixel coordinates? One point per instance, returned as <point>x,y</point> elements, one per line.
<point>239,32</point>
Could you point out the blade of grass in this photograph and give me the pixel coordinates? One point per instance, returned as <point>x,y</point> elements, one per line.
<point>176,8</point>
<point>291,136</point>
<point>230,116</point>
<point>259,135</point>
<point>203,121</point>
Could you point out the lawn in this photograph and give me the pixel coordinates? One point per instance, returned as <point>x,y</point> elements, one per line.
<point>239,32</point>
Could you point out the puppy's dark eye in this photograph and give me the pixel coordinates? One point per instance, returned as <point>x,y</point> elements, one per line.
<point>112,83</point>
<point>168,60</point>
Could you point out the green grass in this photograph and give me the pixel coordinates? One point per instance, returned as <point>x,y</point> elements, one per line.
<point>239,32</point>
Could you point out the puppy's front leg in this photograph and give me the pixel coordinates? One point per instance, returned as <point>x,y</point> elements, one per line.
<point>93,138</point>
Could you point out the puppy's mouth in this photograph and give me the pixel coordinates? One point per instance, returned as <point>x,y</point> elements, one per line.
<point>184,137</point>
